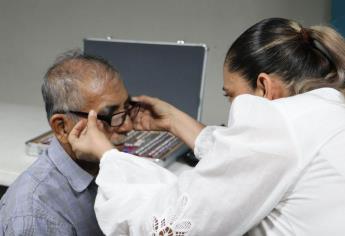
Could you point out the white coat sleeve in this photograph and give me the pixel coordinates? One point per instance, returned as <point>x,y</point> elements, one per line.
<point>245,170</point>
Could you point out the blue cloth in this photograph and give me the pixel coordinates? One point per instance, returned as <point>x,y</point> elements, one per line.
<point>54,196</point>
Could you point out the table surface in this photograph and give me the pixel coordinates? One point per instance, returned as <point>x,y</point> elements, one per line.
<point>19,123</point>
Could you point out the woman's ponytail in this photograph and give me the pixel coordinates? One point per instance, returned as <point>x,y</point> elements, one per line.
<point>304,58</point>
<point>332,45</point>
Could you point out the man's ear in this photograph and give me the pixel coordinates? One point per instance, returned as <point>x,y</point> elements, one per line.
<point>60,126</point>
<point>264,86</point>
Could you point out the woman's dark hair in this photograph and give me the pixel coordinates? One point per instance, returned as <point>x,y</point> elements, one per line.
<point>305,58</point>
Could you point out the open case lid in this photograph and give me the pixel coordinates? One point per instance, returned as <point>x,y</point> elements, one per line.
<point>174,72</point>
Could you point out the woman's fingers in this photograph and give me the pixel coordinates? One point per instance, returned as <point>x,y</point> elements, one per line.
<point>142,120</point>
<point>155,115</point>
<point>88,140</point>
<point>137,122</point>
<point>151,101</point>
<point>92,120</point>
<point>76,131</point>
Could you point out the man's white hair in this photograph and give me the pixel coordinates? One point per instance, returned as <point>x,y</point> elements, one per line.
<point>61,86</point>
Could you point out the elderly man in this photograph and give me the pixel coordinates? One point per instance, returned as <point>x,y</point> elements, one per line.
<point>55,196</point>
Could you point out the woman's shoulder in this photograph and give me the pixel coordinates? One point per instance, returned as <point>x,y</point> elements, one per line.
<point>317,100</point>
<point>310,110</point>
<point>320,110</point>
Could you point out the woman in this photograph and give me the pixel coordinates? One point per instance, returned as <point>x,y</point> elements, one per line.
<point>276,169</point>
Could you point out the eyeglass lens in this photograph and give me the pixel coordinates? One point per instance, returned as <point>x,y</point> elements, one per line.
<point>119,119</point>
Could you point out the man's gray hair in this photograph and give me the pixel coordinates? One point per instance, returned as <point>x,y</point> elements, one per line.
<point>61,85</point>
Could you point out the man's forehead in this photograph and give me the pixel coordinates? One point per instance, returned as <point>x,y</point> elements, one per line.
<point>98,83</point>
<point>110,93</point>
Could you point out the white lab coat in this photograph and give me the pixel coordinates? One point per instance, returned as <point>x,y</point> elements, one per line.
<point>277,169</point>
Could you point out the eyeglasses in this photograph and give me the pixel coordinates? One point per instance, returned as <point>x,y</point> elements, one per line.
<point>113,120</point>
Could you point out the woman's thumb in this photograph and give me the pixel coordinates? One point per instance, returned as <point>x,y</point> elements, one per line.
<point>76,131</point>
<point>92,119</point>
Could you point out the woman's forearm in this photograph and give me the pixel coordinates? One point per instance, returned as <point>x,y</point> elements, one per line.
<point>185,127</point>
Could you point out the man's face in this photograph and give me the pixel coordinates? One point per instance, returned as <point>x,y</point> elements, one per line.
<point>107,99</point>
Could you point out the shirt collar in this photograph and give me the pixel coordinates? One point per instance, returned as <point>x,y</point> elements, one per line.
<point>330,94</point>
<point>78,178</point>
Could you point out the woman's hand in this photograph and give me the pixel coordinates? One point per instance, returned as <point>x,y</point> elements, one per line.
<point>87,140</point>
<point>159,115</point>
<point>154,114</point>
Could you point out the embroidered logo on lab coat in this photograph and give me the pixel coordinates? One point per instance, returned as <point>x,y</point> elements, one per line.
<point>171,223</point>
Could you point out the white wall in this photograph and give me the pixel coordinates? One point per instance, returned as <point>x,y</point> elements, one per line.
<point>33,32</point>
